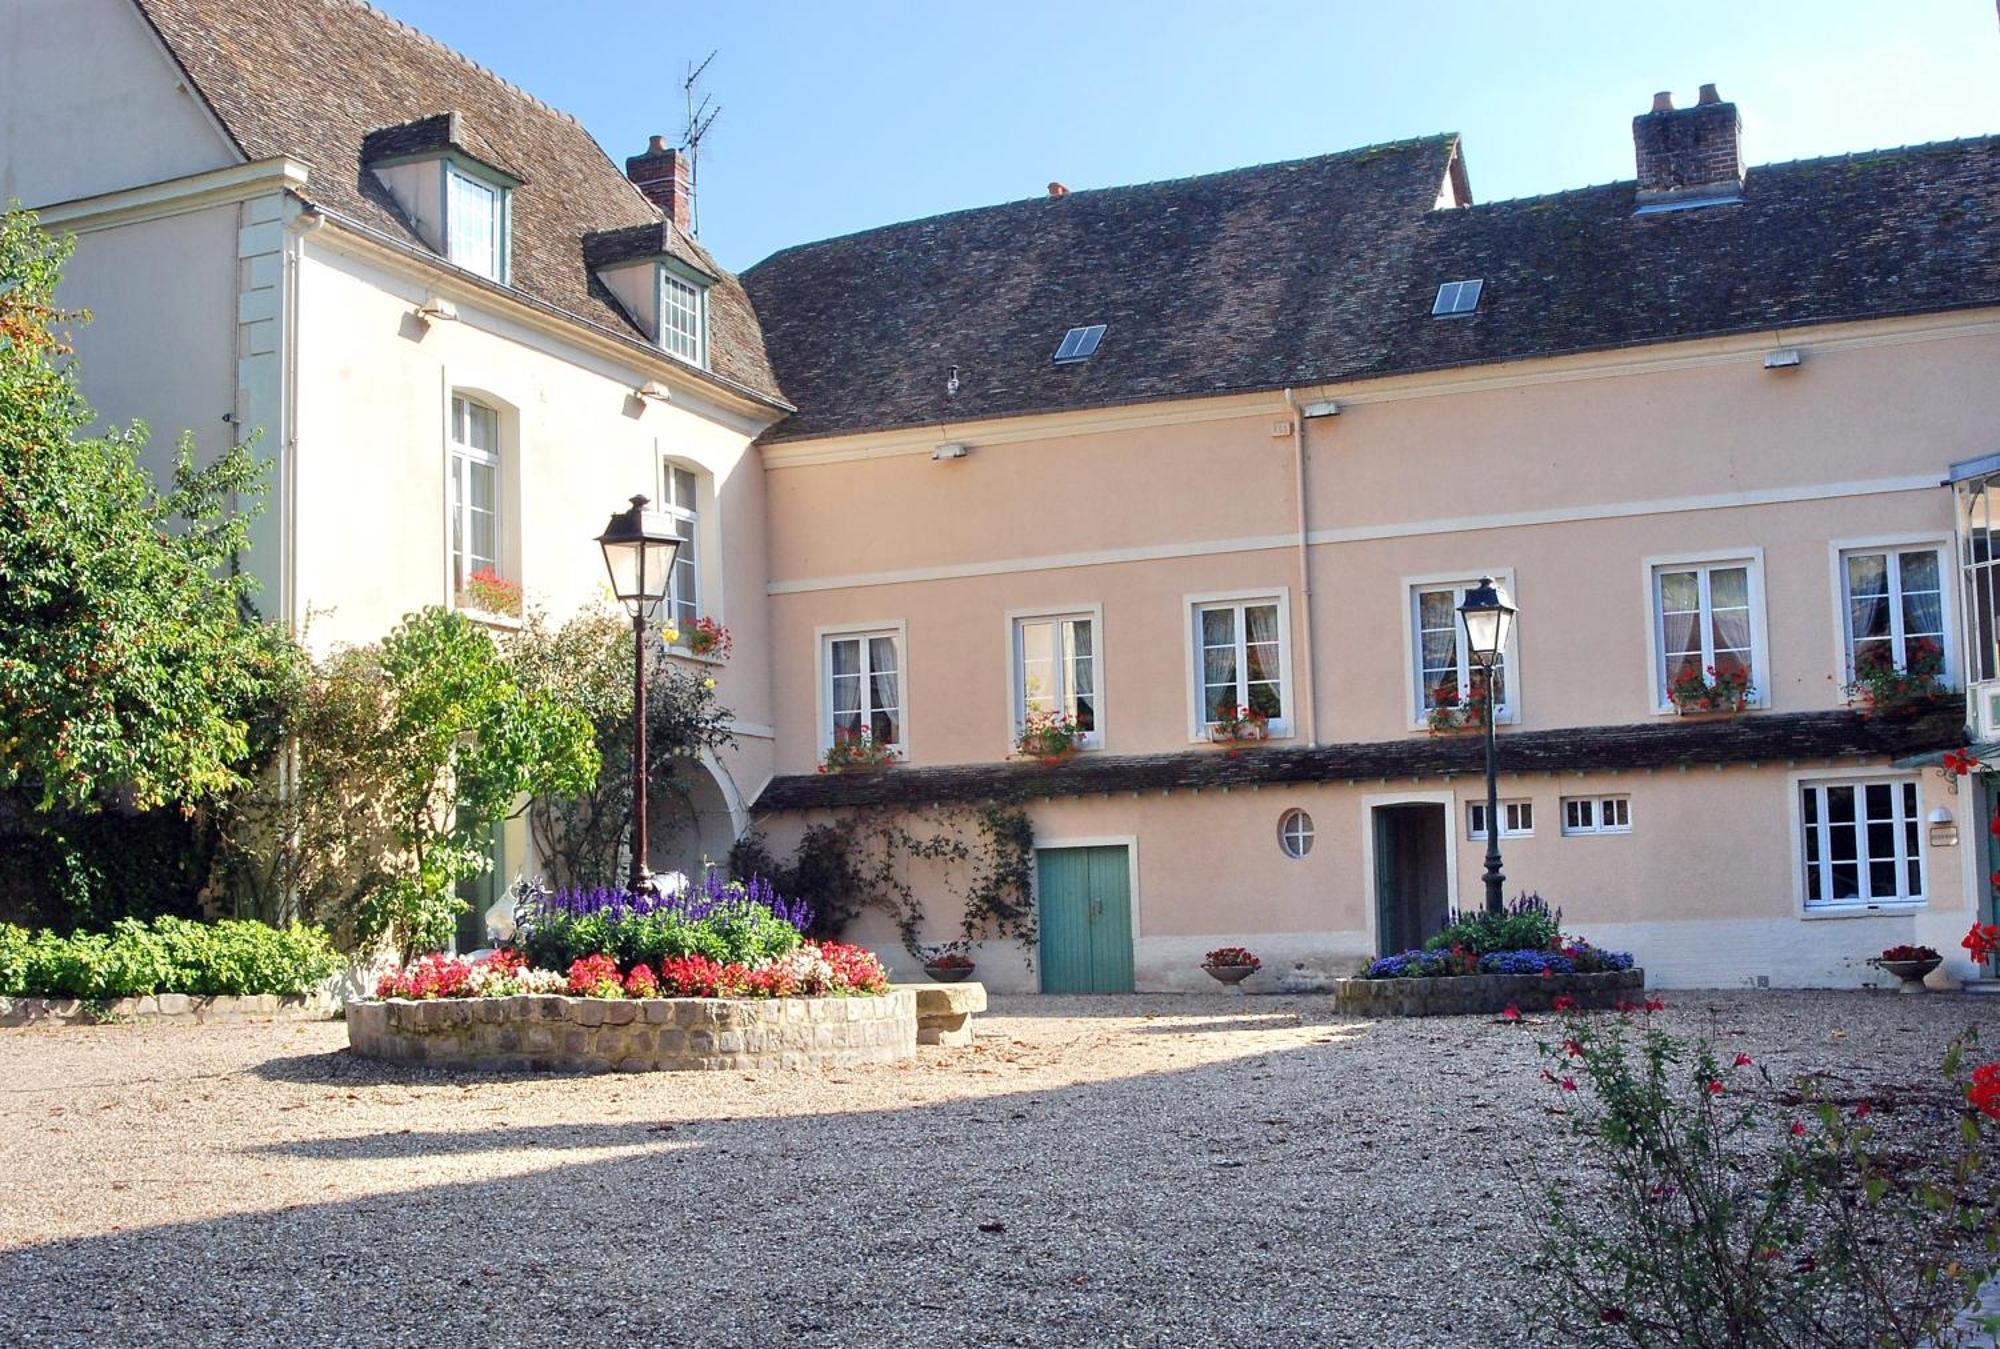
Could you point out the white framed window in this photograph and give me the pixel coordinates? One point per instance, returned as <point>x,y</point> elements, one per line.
<point>680,498</point>
<point>1861,842</point>
<point>1708,614</point>
<point>1058,666</point>
<point>862,685</point>
<point>683,317</point>
<point>1893,607</point>
<point>1596,815</point>
<point>475,491</point>
<point>1440,661</point>
<point>1241,648</point>
<point>1517,820</point>
<point>1295,834</point>
<point>475,214</point>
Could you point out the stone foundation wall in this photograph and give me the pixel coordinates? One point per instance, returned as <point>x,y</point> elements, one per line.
<point>552,1033</point>
<point>1472,994</point>
<point>164,1007</point>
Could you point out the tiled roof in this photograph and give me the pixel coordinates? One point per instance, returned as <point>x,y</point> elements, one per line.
<point>1325,269</point>
<point>1661,743</point>
<point>314,79</point>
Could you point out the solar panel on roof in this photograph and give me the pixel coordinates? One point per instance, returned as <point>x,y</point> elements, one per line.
<point>1079,344</point>
<point>1455,299</point>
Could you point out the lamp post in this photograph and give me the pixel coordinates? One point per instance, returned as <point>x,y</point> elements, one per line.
<point>639,549</point>
<point>1489,619</point>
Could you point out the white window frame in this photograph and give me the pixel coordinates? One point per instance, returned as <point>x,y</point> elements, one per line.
<point>669,278</point>
<point>823,639</point>
<point>1508,713</point>
<point>1949,578</point>
<point>1017,709</point>
<point>1796,784</point>
<point>1511,814</point>
<point>1304,837</point>
<point>668,504</point>
<point>503,216</point>
<point>458,512</point>
<point>1656,639</point>
<point>1288,692</point>
<point>1599,814</point>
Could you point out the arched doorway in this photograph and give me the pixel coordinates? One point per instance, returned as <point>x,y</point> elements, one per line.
<point>694,817</point>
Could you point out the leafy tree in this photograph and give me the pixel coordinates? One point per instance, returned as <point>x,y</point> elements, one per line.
<point>587,662</point>
<point>132,666</point>
<point>408,753</point>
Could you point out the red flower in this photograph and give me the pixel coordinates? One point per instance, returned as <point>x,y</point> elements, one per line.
<point>1548,973</point>
<point>1564,1002</point>
<point>1960,762</point>
<point>1512,1013</point>
<point>1984,1093</point>
<point>1714,1087</point>
<point>1742,1060</point>
<point>1863,1111</point>
<point>1654,1004</point>
<point>1798,1129</point>
<point>1569,1084</point>
<point>1628,1007</point>
<point>1983,939</point>
<point>1573,1049</point>
<point>595,977</point>
<point>640,983</point>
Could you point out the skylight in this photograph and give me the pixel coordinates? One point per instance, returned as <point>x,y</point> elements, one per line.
<point>1457,299</point>
<point>1079,344</point>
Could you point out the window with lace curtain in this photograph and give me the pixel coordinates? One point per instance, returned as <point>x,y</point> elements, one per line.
<point>862,675</point>
<point>1707,623</point>
<point>1242,662</point>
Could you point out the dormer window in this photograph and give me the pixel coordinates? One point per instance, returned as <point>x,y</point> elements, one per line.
<point>450,187</point>
<point>475,223</point>
<point>683,317</point>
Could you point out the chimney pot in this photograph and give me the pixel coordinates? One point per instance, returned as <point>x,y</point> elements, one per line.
<point>662,174</point>
<point>1688,156</point>
<point>1058,190</point>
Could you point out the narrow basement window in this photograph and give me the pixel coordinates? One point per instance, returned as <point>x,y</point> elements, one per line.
<point>1079,344</point>
<point>1457,299</point>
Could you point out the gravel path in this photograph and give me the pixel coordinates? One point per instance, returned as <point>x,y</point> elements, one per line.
<point>1114,1171</point>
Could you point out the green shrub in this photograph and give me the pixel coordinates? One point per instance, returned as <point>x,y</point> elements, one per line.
<point>748,935</point>
<point>1526,924</point>
<point>169,955</point>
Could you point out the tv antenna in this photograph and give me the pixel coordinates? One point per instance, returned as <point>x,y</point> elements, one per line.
<point>702,110</point>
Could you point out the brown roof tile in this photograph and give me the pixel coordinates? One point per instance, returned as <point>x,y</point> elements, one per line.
<point>315,79</point>
<point>1661,743</point>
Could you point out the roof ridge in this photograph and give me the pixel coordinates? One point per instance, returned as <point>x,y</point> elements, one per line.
<point>1378,147</point>
<point>465,60</point>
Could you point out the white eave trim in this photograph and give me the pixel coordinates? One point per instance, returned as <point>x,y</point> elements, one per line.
<point>175,196</point>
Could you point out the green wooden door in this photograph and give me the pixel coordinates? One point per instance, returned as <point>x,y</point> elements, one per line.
<point>1085,897</point>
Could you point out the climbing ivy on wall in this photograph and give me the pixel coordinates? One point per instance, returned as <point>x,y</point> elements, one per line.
<point>862,860</point>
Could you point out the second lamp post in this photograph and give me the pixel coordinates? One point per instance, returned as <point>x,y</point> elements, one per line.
<point>639,549</point>
<point>1489,620</point>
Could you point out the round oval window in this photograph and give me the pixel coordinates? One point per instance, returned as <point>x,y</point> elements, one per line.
<point>1295,833</point>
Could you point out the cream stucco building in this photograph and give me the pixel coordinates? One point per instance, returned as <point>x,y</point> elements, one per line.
<point>1129,455</point>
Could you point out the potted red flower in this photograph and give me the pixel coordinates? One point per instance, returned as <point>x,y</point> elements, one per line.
<point>709,639</point>
<point>1233,725</point>
<point>1230,964</point>
<point>948,964</point>
<point>856,751</point>
<point>1909,964</point>
<point>1723,688</point>
<point>1049,737</point>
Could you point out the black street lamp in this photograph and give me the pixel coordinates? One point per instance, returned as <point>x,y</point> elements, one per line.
<point>639,549</point>
<point>1489,620</point>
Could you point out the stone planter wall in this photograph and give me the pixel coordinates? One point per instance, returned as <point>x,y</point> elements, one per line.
<point>1472,994</point>
<point>164,1007</point>
<point>553,1033</point>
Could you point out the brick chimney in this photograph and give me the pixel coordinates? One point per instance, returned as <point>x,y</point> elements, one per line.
<point>1688,156</point>
<point>662,174</point>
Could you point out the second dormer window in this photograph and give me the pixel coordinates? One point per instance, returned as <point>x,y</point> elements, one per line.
<point>476,224</point>
<point>682,325</point>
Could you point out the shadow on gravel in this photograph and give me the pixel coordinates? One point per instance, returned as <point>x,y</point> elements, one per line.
<point>1132,1211</point>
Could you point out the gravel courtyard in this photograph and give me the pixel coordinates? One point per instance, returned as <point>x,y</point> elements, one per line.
<point>1114,1171</point>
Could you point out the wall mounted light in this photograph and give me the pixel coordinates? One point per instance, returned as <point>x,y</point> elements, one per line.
<point>1325,407</point>
<point>951,449</point>
<point>437,309</point>
<point>1944,833</point>
<point>652,391</point>
<point>1784,358</point>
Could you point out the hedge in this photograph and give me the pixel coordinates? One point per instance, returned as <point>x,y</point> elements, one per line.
<point>167,955</point>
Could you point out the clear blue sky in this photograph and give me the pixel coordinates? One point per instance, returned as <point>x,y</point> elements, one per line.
<point>842,116</point>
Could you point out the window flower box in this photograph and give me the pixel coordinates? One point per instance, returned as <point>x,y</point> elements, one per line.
<point>487,592</point>
<point>709,640</point>
<point>1234,726</point>
<point>1451,715</point>
<point>1049,738</point>
<point>1882,689</point>
<point>1723,690</point>
<point>858,752</point>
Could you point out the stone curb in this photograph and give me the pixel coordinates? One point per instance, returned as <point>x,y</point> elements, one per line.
<point>548,1032</point>
<point>164,1007</point>
<point>1474,994</point>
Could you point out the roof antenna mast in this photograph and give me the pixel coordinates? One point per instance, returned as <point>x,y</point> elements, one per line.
<point>701,115</point>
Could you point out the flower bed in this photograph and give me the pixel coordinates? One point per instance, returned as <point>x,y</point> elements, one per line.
<point>168,956</point>
<point>1517,959</point>
<point>602,979</point>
